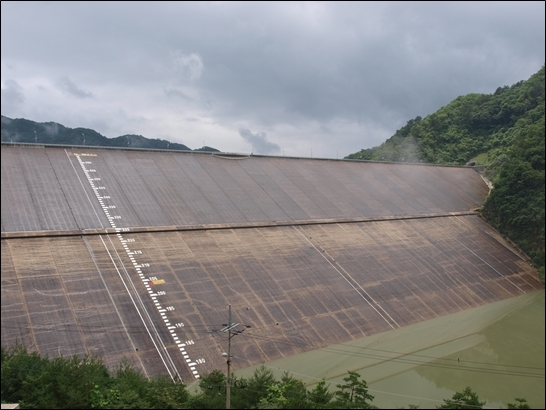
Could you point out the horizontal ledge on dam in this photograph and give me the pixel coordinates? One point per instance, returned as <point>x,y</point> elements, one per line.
<point>181,228</point>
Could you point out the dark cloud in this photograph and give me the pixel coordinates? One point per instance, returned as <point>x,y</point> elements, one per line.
<point>358,69</point>
<point>260,144</point>
<point>174,93</point>
<point>66,85</point>
<point>12,95</point>
<point>189,66</point>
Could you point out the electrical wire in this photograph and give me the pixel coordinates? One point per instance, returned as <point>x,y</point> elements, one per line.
<point>354,350</point>
<point>407,361</point>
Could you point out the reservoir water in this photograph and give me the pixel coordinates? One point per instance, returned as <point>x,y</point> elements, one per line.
<point>496,349</point>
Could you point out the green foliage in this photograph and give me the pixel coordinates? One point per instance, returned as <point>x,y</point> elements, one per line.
<point>37,382</point>
<point>353,392</point>
<point>521,404</point>
<point>212,393</point>
<point>82,383</point>
<point>244,393</point>
<point>258,386</point>
<point>467,399</point>
<point>320,396</point>
<point>17,366</point>
<point>516,204</point>
<point>470,125</point>
<point>288,393</point>
<point>63,383</point>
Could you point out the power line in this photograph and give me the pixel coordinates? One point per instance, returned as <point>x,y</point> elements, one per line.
<point>409,360</point>
<point>392,352</point>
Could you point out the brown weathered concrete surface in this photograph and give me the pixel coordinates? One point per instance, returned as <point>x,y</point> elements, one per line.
<point>309,253</point>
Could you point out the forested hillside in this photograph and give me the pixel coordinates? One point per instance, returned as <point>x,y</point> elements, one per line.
<point>504,130</point>
<point>36,382</point>
<point>22,130</point>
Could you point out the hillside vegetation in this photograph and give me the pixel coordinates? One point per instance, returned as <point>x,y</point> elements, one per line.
<point>40,382</point>
<point>504,130</point>
<point>22,130</point>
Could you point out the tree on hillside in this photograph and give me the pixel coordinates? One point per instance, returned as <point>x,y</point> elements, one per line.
<point>212,393</point>
<point>288,393</point>
<point>320,396</point>
<point>64,383</point>
<point>17,366</point>
<point>467,399</point>
<point>82,383</point>
<point>258,386</point>
<point>354,392</point>
<point>521,404</point>
<point>516,204</point>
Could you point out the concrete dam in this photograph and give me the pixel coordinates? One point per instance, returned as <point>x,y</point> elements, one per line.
<point>124,253</point>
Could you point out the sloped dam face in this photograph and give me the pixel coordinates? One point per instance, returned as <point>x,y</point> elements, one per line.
<point>137,254</point>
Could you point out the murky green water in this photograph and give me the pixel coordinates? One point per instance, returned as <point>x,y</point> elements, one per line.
<point>508,362</point>
<point>497,350</point>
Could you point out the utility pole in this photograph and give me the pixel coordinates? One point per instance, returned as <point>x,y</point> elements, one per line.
<point>227,328</point>
<point>35,137</point>
<point>228,379</point>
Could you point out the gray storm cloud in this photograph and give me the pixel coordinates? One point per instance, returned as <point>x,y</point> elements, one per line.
<point>328,75</point>
<point>189,65</point>
<point>12,94</point>
<point>65,84</point>
<point>260,144</point>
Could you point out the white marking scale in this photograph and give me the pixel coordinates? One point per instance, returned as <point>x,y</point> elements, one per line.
<point>100,191</point>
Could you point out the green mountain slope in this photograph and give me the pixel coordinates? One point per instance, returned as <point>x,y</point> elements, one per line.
<point>22,130</point>
<point>504,130</point>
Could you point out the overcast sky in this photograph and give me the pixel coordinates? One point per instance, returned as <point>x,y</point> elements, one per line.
<point>299,79</point>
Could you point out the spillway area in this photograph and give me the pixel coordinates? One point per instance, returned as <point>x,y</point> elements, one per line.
<point>136,254</point>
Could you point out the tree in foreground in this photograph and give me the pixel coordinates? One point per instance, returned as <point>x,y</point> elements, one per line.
<point>353,393</point>
<point>74,382</point>
<point>521,404</point>
<point>17,366</point>
<point>257,387</point>
<point>320,396</point>
<point>85,382</point>
<point>467,399</point>
<point>288,393</point>
<point>212,393</point>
